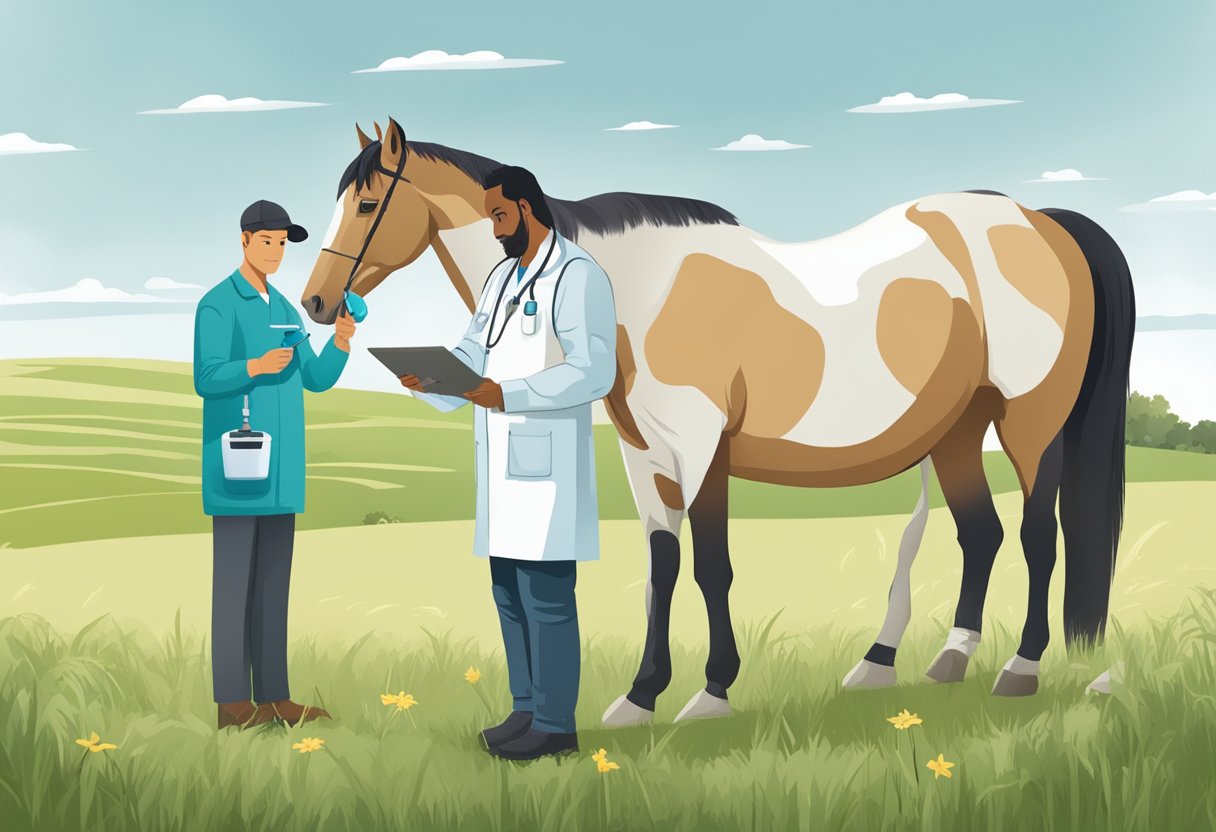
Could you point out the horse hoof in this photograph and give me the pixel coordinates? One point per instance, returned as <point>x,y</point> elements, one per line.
<point>1015,684</point>
<point>624,714</point>
<point>867,674</point>
<point>704,705</point>
<point>949,666</point>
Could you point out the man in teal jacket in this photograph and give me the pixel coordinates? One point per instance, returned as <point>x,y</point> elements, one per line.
<point>240,329</point>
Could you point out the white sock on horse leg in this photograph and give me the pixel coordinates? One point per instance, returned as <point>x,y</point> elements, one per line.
<point>963,640</point>
<point>1022,667</point>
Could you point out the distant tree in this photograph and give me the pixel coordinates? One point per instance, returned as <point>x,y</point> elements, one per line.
<point>1151,424</point>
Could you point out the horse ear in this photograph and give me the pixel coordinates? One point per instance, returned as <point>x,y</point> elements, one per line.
<point>364,139</point>
<point>379,136</point>
<point>392,146</point>
<point>396,134</point>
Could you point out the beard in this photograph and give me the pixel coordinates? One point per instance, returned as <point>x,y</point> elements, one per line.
<point>515,244</point>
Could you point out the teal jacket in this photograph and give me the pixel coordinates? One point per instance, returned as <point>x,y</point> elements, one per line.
<point>231,326</point>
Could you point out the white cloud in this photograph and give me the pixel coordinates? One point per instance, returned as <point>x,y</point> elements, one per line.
<point>906,102</point>
<point>1190,200</point>
<point>213,103</point>
<point>1065,175</point>
<point>642,125</point>
<point>753,142</point>
<point>438,59</point>
<point>156,283</point>
<point>89,290</point>
<point>14,143</point>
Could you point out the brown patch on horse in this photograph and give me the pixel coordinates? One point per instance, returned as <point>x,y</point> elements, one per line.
<point>722,331</point>
<point>949,241</point>
<point>1030,265</point>
<point>913,325</point>
<point>616,401</point>
<point>669,492</point>
<point>941,402</point>
<point>1033,419</point>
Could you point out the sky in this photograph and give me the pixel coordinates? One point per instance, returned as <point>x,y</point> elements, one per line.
<point>1117,92</point>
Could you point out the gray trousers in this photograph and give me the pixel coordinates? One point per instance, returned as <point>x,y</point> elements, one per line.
<point>539,619</point>
<point>249,587</point>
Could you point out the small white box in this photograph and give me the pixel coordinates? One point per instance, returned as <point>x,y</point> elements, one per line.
<point>246,455</point>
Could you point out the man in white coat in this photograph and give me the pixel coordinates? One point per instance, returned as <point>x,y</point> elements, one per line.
<point>543,336</point>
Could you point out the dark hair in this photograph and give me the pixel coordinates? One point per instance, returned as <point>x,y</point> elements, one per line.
<point>613,213</point>
<point>519,183</point>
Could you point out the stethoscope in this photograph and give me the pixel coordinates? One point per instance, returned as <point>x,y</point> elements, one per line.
<point>513,304</point>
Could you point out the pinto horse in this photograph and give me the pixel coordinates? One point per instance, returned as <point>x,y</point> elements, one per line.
<point>834,362</point>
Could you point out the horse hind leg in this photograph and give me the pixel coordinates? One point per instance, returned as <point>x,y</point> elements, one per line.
<point>877,668</point>
<point>1035,445</point>
<point>958,460</point>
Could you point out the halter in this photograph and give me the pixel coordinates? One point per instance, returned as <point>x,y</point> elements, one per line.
<point>367,241</point>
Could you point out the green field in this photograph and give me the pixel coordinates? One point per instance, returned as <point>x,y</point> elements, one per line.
<point>102,448</point>
<point>105,606</point>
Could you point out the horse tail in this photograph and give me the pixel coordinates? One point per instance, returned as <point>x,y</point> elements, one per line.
<point>1092,482</point>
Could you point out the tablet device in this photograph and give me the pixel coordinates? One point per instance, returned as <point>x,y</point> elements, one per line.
<point>440,370</point>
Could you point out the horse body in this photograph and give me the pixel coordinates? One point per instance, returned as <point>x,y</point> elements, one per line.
<point>834,362</point>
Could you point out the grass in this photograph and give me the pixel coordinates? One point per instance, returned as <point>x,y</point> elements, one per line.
<point>797,754</point>
<point>105,414</point>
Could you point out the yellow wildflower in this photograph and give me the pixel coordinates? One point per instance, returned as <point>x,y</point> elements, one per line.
<point>402,700</point>
<point>309,744</point>
<point>472,675</point>
<point>601,761</point>
<point>94,744</point>
<point>904,720</point>
<point>940,767</point>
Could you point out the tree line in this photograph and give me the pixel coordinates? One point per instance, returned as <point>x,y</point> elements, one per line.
<point>1150,424</point>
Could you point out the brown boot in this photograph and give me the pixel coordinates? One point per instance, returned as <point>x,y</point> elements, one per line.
<point>290,712</point>
<point>239,714</point>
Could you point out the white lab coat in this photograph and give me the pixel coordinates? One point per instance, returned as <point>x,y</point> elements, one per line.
<point>535,460</point>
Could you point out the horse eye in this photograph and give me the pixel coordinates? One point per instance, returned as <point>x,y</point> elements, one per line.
<point>366,206</point>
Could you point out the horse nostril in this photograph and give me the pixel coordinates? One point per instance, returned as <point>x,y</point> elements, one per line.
<point>317,304</point>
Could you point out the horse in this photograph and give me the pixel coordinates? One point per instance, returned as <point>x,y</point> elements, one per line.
<point>833,362</point>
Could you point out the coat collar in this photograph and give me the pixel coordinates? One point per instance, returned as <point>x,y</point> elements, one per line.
<point>555,259</point>
<point>245,289</point>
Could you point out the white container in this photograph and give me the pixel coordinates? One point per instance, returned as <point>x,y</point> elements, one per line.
<point>246,452</point>
<point>246,455</point>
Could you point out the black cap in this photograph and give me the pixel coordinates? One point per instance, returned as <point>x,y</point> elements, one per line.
<point>265,215</point>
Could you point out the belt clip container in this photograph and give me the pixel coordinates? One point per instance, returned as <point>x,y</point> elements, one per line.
<point>246,452</point>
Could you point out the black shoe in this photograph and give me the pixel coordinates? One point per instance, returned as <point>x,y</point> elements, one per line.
<point>535,744</point>
<point>511,728</point>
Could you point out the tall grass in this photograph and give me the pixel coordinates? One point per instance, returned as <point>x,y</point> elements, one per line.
<point>798,753</point>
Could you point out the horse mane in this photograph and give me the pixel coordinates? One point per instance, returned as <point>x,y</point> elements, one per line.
<point>611,213</point>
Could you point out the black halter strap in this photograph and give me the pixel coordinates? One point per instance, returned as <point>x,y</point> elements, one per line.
<point>367,241</point>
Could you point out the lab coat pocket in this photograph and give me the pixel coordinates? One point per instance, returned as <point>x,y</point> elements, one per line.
<point>529,451</point>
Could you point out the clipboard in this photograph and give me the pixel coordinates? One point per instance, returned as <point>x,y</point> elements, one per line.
<point>440,370</point>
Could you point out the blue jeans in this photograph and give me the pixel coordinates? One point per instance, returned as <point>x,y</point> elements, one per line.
<point>540,634</point>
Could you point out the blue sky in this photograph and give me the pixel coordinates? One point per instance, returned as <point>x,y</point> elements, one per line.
<point>1118,91</point>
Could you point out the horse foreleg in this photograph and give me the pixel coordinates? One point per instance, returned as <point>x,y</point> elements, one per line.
<point>662,523</point>
<point>711,567</point>
<point>877,669</point>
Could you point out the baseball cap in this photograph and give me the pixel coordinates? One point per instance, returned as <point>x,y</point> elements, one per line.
<point>265,215</point>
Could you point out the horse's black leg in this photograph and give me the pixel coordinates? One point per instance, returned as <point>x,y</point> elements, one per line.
<point>959,463</point>
<point>655,672</point>
<point>1020,676</point>
<point>1039,547</point>
<point>711,568</point>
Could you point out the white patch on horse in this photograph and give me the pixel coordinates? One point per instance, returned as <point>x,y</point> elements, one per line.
<point>831,268</point>
<point>335,223</point>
